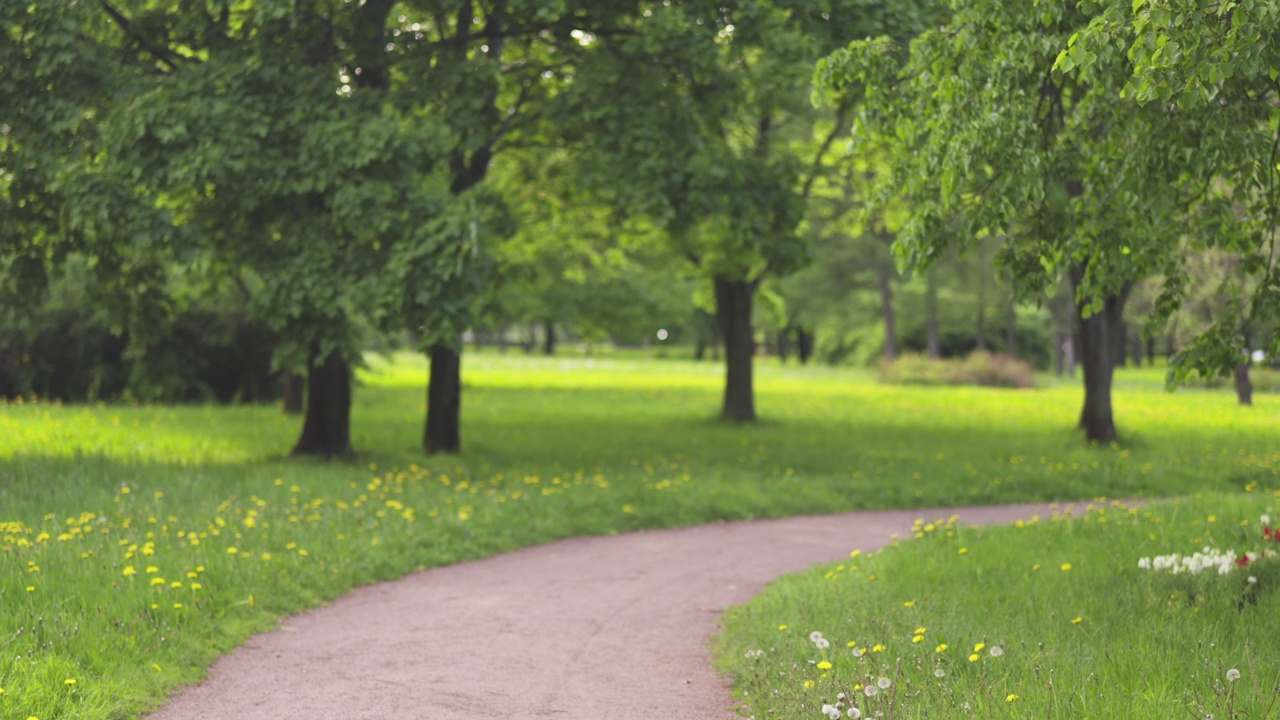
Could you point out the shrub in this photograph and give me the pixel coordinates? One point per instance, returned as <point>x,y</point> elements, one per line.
<point>979,368</point>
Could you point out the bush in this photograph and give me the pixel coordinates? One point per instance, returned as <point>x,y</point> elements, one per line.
<point>979,368</point>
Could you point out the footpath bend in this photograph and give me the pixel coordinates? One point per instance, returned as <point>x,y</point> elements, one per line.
<point>586,628</point>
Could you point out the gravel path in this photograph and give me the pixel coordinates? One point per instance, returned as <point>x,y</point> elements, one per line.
<point>581,629</point>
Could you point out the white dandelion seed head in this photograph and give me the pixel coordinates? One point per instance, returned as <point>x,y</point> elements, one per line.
<point>1253,579</point>
<point>1266,519</point>
<point>1233,675</point>
<point>996,651</point>
<point>822,643</point>
<point>854,713</point>
<point>884,683</point>
<point>871,691</point>
<point>831,711</point>
<point>939,673</point>
<point>815,636</point>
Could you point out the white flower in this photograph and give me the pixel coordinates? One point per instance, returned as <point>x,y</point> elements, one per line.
<point>1253,579</point>
<point>854,713</point>
<point>822,643</point>
<point>884,683</point>
<point>1266,519</point>
<point>815,636</point>
<point>996,651</point>
<point>1144,563</point>
<point>870,691</point>
<point>831,711</point>
<point>1233,675</point>
<point>940,673</point>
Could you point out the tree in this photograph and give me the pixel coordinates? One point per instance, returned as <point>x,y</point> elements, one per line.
<point>704,104</point>
<point>987,137</point>
<point>1208,73</point>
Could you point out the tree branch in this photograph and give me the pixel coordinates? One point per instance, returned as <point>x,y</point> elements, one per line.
<point>159,52</point>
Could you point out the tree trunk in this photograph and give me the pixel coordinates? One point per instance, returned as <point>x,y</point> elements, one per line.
<point>982,297</point>
<point>886,310</point>
<point>931,308</point>
<point>444,401</point>
<point>1011,326</point>
<point>549,338</point>
<point>292,393</point>
<point>1097,335</point>
<point>784,344</point>
<point>733,311</point>
<point>1118,336</point>
<point>326,431</point>
<point>1151,350</point>
<point>1244,387</point>
<point>804,345</point>
<point>1135,346</point>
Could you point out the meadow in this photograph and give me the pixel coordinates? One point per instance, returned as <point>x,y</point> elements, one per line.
<point>137,543</point>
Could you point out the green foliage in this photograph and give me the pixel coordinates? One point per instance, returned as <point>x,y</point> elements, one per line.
<point>1049,618</point>
<point>979,368</point>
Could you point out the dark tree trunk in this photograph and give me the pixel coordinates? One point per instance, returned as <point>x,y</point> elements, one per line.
<point>804,345</point>
<point>1059,351</point>
<point>1244,387</point>
<point>886,310</point>
<point>292,393</point>
<point>784,344</point>
<point>1118,337</point>
<point>1097,335</point>
<point>1011,327</point>
<point>326,431</point>
<point>1135,346</point>
<point>444,401</point>
<point>1151,350</point>
<point>549,338</point>
<point>982,298</point>
<point>931,320</point>
<point>733,310</point>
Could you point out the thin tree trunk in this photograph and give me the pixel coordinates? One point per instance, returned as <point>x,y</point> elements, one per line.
<point>444,401</point>
<point>784,344</point>
<point>1244,387</point>
<point>931,308</point>
<point>1151,350</point>
<point>982,297</point>
<point>326,431</point>
<point>804,344</point>
<point>1135,346</point>
<point>886,310</point>
<point>1011,326</point>
<point>549,338</point>
<point>292,393</point>
<point>733,310</point>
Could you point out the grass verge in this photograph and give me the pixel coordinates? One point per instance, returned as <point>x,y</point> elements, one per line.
<point>1051,618</point>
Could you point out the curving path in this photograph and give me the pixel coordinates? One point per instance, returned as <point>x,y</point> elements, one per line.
<point>580,629</point>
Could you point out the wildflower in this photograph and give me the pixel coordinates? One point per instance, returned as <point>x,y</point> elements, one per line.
<point>1066,567</point>
<point>920,630</point>
<point>157,667</point>
<point>1010,697</point>
<point>942,647</point>
<point>909,603</point>
<point>129,571</point>
<point>152,569</point>
<point>824,665</point>
<point>996,651</point>
<point>814,636</point>
<point>1233,675</point>
<point>69,682</point>
<point>885,683</point>
<point>1077,620</point>
<point>1253,579</point>
<point>808,684</point>
<point>917,638</point>
<point>963,551</point>
<point>878,648</point>
<point>939,673</point>
<point>871,691</point>
<point>822,643</point>
<point>979,646</point>
<point>157,581</point>
<point>975,657</point>
<point>854,713</point>
<point>31,588</point>
<point>782,627</point>
<point>831,711</point>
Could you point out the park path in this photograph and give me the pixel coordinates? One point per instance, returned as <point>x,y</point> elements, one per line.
<point>601,627</point>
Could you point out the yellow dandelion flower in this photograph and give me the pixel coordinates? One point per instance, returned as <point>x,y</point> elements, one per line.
<point>782,627</point>
<point>909,603</point>
<point>963,551</point>
<point>1077,621</point>
<point>808,684</point>
<point>196,586</point>
<point>941,648</point>
<point>978,647</point>
<point>69,682</point>
<point>1010,697</point>
<point>1035,568</point>
<point>157,667</point>
<point>31,588</point>
<point>824,665</point>
<point>152,569</point>
<point>128,571</point>
<point>878,648</point>
<point>177,606</point>
<point>851,644</point>
<point>157,581</point>
<point>920,631</point>
<point>975,657</point>
<point>917,639</point>
<point>1066,567</point>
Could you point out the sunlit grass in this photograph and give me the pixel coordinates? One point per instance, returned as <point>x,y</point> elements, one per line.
<point>1050,618</point>
<point>93,497</point>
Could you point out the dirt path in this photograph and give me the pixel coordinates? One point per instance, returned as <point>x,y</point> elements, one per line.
<point>611,627</point>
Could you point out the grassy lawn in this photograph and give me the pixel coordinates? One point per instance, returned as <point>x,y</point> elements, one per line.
<point>138,543</point>
<point>1049,619</point>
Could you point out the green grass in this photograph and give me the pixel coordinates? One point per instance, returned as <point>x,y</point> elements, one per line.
<point>1048,619</point>
<point>554,447</point>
